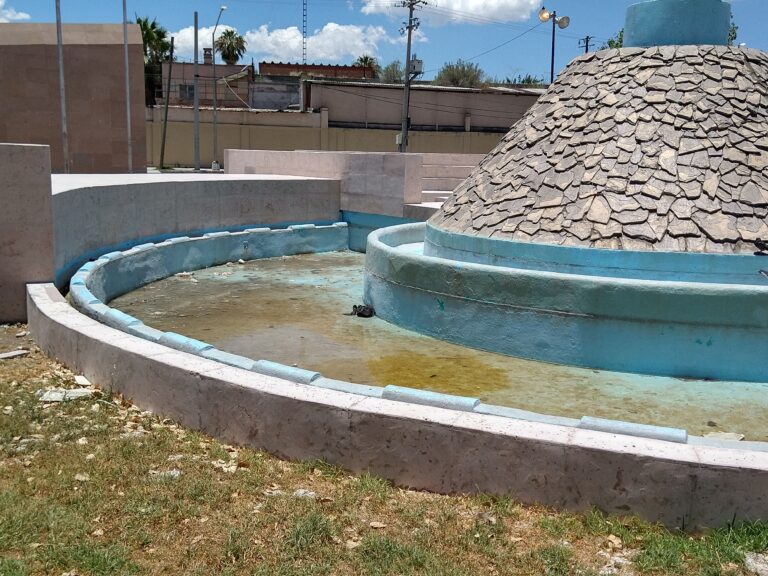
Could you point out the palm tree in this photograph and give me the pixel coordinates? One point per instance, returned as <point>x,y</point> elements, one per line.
<point>368,61</point>
<point>155,39</point>
<point>230,45</point>
<point>156,48</point>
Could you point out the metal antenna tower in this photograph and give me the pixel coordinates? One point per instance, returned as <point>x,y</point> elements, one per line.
<point>304,33</point>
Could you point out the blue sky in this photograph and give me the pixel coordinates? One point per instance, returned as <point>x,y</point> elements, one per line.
<point>341,30</point>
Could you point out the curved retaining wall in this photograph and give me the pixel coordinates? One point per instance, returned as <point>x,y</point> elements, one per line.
<point>93,214</point>
<point>664,266</point>
<point>681,329</point>
<point>416,438</point>
<point>423,447</point>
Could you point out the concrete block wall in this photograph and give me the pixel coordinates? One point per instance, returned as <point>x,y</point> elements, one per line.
<point>94,73</point>
<point>370,182</point>
<point>26,228</point>
<point>380,183</point>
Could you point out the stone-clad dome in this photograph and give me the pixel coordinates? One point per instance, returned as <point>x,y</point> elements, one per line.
<point>664,148</point>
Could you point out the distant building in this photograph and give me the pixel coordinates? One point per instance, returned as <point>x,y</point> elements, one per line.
<point>233,83</point>
<point>276,87</point>
<point>316,70</point>
<point>432,109</point>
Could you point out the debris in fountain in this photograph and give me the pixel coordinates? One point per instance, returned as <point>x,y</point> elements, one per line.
<point>362,311</point>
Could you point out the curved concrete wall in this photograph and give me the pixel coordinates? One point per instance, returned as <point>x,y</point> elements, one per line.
<point>638,265</point>
<point>662,473</point>
<point>95,214</point>
<point>651,327</point>
<point>668,22</point>
<point>423,447</point>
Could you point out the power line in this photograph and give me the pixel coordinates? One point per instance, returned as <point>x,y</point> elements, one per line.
<point>476,56</point>
<point>584,43</point>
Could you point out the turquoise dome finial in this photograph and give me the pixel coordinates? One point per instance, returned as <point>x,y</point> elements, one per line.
<point>675,22</point>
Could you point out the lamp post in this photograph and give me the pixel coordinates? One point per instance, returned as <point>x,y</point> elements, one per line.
<point>562,22</point>
<point>215,164</point>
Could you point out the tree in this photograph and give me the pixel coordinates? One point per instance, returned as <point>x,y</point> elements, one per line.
<point>527,80</point>
<point>615,42</point>
<point>156,48</point>
<point>230,45</point>
<point>733,32</point>
<point>393,73</point>
<point>461,74</point>
<point>367,61</point>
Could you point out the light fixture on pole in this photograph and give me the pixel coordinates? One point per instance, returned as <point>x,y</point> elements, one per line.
<point>562,22</point>
<point>215,163</point>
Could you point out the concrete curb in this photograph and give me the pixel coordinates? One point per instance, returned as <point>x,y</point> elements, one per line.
<point>422,447</point>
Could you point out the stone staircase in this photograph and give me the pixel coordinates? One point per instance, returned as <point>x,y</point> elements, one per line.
<point>441,173</point>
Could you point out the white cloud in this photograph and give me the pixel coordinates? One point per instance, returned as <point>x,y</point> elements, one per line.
<point>184,40</point>
<point>333,43</point>
<point>470,11</point>
<point>9,14</point>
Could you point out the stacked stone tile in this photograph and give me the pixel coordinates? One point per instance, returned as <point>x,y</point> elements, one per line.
<point>664,149</point>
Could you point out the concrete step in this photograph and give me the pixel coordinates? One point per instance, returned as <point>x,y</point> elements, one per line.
<point>443,171</point>
<point>421,211</point>
<point>454,159</point>
<point>440,183</point>
<point>435,195</point>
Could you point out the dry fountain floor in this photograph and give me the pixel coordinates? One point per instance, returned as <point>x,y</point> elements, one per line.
<point>293,310</point>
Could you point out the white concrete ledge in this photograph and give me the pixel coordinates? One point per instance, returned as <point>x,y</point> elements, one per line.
<point>421,447</point>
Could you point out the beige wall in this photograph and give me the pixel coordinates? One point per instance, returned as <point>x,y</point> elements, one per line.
<point>433,107</point>
<point>95,85</point>
<point>244,130</point>
<point>26,237</point>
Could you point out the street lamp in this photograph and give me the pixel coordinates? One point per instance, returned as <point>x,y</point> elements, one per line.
<point>215,164</point>
<point>562,23</point>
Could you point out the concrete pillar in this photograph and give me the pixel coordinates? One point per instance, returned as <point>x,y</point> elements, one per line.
<point>323,128</point>
<point>26,225</point>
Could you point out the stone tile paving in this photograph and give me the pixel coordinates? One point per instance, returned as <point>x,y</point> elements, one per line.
<point>664,149</point>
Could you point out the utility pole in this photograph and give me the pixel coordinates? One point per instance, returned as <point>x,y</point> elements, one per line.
<point>127,88</point>
<point>165,112</point>
<point>197,102</point>
<point>62,90</point>
<point>584,43</point>
<point>410,74</point>
<point>215,163</point>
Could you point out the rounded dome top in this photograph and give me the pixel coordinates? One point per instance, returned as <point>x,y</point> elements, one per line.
<point>664,148</point>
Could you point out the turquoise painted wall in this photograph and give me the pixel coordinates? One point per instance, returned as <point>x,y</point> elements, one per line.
<point>700,330</point>
<point>361,224</point>
<point>666,266</point>
<point>675,22</point>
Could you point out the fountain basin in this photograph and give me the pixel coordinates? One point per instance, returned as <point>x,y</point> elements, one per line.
<point>697,329</point>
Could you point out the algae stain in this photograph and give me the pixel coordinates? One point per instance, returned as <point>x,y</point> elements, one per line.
<point>463,375</point>
<point>440,304</point>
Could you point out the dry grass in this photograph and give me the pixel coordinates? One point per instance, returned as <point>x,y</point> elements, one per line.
<point>97,486</point>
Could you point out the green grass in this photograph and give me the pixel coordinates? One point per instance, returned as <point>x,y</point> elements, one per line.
<point>126,520</point>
